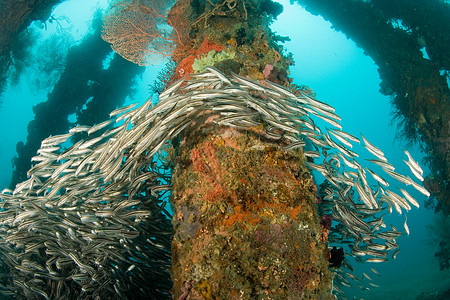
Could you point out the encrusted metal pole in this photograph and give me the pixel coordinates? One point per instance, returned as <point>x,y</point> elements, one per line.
<point>245,219</point>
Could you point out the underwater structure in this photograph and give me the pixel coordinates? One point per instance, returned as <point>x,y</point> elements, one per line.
<point>409,42</point>
<point>85,89</point>
<point>232,145</point>
<point>16,16</point>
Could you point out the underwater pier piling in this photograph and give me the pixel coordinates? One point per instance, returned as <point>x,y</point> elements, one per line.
<point>245,219</point>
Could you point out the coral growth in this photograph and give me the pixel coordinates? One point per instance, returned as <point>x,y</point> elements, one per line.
<point>253,216</point>
<point>221,36</point>
<point>185,66</point>
<point>212,58</point>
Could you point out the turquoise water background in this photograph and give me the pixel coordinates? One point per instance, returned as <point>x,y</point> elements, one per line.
<point>340,74</point>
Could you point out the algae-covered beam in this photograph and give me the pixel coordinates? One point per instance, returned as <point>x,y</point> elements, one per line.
<point>16,16</point>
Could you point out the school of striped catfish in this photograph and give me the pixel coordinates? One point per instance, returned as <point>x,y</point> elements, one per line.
<point>90,222</point>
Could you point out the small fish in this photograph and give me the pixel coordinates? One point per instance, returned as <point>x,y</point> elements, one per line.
<point>55,140</point>
<point>286,92</point>
<point>131,268</point>
<point>159,188</point>
<point>367,276</point>
<point>25,214</point>
<point>346,135</point>
<point>389,235</point>
<point>376,260</point>
<point>352,276</point>
<point>219,74</point>
<point>84,207</point>
<point>330,121</point>
<point>390,245</point>
<point>383,164</point>
<point>376,151</point>
<point>413,163</point>
<point>341,139</point>
<point>90,142</point>
<point>375,271</point>
<point>316,167</point>
<point>120,110</point>
<point>317,141</point>
<point>405,225</point>
<point>327,113</point>
<point>337,289</point>
<point>99,126</point>
<point>414,171</point>
<point>380,157</point>
<point>139,112</point>
<point>301,144</point>
<point>398,199</point>
<point>171,89</point>
<point>378,247</point>
<point>419,188</point>
<point>398,176</point>
<point>363,195</point>
<point>378,177</point>
<point>345,284</point>
<point>48,149</point>
<point>409,198</point>
<point>79,128</point>
<point>70,150</point>
<point>61,169</point>
<point>39,158</point>
<point>349,162</point>
<point>315,102</point>
<point>7,191</point>
<point>347,152</point>
<point>82,266</point>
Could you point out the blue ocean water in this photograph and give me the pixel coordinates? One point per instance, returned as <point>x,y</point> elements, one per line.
<point>339,73</point>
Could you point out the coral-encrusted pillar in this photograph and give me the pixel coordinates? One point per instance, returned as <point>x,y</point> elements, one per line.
<point>245,220</point>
